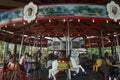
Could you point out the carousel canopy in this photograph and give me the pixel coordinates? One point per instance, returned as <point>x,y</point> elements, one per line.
<point>53,19</point>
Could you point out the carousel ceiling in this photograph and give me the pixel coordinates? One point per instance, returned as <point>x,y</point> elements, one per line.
<point>59,28</point>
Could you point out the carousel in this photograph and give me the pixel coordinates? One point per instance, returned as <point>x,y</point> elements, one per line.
<point>93,26</point>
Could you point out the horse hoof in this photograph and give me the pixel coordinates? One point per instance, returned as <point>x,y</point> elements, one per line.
<point>74,74</point>
<point>50,78</point>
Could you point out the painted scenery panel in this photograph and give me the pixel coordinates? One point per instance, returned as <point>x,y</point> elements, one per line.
<point>63,10</point>
<point>72,10</point>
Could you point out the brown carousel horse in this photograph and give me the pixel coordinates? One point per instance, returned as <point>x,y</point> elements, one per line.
<point>104,65</point>
<point>13,71</point>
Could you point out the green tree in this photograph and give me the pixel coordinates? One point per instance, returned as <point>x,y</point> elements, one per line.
<point>40,10</point>
<point>65,10</point>
<point>51,11</point>
<point>59,9</point>
<point>76,9</point>
<point>4,16</point>
<point>96,9</point>
<point>17,12</point>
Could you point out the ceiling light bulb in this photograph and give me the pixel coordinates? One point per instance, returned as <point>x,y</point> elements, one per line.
<point>36,21</point>
<point>108,34</point>
<point>71,20</point>
<point>78,20</point>
<point>107,21</point>
<point>13,24</point>
<point>64,20</point>
<point>49,20</point>
<point>6,26</point>
<point>23,22</point>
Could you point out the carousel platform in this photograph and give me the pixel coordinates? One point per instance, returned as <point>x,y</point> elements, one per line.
<point>42,74</point>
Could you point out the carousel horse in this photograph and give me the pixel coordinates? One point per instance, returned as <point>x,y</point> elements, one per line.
<point>22,62</point>
<point>104,66</point>
<point>98,64</point>
<point>75,60</point>
<point>13,71</point>
<point>75,66</point>
<point>37,60</point>
<point>37,55</point>
<point>107,61</point>
<point>113,71</point>
<point>54,70</point>
<point>49,60</point>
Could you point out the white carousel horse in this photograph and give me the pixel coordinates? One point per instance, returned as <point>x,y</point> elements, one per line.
<point>49,63</point>
<point>54,69</point>
<point>75,60</point>
<point>75,66</point>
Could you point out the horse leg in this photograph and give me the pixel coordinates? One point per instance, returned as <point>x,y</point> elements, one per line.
<point>83,70</point>
<point>54,73</point>
<point>109,78</point>
<point>50,73</point>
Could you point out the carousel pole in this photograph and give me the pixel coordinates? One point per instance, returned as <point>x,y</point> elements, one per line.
<point>102,42</point>
<point>34,41</point>
<point>29,47</point>
<point>68,48</point>
<point>21,46</point>
<point>39,72</point>
<point>68,38</point>
<point>117,48</point>
<point>41,43</point>
<point>15,48</point>
<point>52,45</point>
<point>4,52</point>
<point>90,48</point>
<point>34,45</point>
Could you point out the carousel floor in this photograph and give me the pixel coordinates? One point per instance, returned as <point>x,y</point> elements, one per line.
<point>43,74</point>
